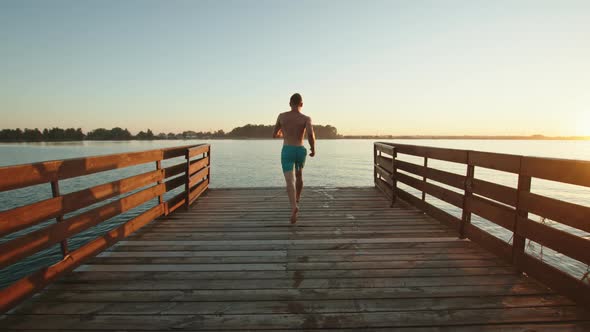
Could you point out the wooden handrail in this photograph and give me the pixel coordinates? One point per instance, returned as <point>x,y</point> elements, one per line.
<point>140,189</point>
<point>505,206</point>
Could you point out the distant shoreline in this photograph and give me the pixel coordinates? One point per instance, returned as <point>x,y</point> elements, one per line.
<point>246,132</point>
<point>477,137</point>
<point>343,137</point>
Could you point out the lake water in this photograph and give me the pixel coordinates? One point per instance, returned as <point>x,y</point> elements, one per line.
<point>256,163</point>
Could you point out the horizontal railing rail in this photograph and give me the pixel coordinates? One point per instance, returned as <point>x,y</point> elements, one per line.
<point>35,234</point>
<point>502,205</point>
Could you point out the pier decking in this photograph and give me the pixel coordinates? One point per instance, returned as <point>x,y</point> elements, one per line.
<point>186,257</point>
<point>233,262</point>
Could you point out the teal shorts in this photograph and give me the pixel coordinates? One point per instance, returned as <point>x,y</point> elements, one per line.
<point>293,155</point>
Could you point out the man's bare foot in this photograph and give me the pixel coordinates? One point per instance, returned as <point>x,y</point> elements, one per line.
<point>294,215</point>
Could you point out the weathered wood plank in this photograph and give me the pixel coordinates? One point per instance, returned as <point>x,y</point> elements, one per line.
<point>498,161</point>
<point>446,246</point>
<point>579,326</point>
<point>293,275</point>
<point>562,170</point>
<point>431,210</point>
<point>452,155</point>
<point>12,177</point>
<point>291,266</point>
<point>560,281</point>
<point>286,307</point>
<point>232,262</point>
<point>574,215</point>
<point>189,259</point>
<point>298,242</point>
<point>441,193</point>
<point>288,283</point>
<point>22,288</point>
<point>499,214</point>
<point>319,320</point>
<point>28,215</point>
<point>197,150</point>
<point>197,165</point>
<point>500,193</point>
<point>385,148</point>
<point>385,162</point>
<point>566,243</point>
<point>489,242</point>
<point>30,243</point>
<point>198,190</point>
<point>292,294</point>
<point>174,170</point>
<point>197,177</point>
<point>448,178</point>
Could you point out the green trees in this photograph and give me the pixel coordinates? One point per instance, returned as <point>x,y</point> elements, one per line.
<point>145,135</point>
<point>120,134</point>
<point>35,135</point>
<point>115,134</point>
<point>265,131</point>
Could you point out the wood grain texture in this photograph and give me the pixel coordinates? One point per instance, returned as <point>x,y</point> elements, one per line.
<point>505,206</point>
<point>26,245</point>
<point>574,215</point>
<point>233,262</point>
<point>19,176</point>
<point>562,170</point>
<point>29,215</point>
<point>448,178</point>
<point>197,150</point>
<point>452,155</point>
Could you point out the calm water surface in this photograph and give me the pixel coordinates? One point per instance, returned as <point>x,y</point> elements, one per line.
<point>256,163</point>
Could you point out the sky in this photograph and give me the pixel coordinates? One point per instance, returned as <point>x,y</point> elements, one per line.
<point>366,67</point>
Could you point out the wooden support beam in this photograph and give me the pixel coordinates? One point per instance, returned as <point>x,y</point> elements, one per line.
<point>521,216</point>
<point>468,192</point>
<point>375,164</point>
<point>424,179</point>
<point>187,175</point>
<point>55,191</point>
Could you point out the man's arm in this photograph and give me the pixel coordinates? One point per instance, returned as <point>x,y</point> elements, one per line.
<point>310,136</point>
<point>277,133</point>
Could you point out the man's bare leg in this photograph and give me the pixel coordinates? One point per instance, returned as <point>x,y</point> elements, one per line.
<point>291,191</point>
<point>299,183</point>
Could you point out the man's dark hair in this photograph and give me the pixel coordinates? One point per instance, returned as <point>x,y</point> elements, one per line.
<point>295,99</point>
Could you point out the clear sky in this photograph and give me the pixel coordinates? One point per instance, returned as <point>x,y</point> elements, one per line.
<point>366,67</point>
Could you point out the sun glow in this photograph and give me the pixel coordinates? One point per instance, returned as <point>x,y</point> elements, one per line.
<point>582,124</point>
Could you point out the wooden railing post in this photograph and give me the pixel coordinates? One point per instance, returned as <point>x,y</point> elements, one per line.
<point>209,165</point>
<point>159,167</point>
<point>375,164</point>
<point>518,243</point>
<point>161,197</point>
<point>187,188</point>
<point>60,218</point>
<point>393,176</point>
<point>468,192</point>
<point>424,179</point>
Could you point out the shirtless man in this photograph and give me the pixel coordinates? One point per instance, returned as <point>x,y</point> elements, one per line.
<point>291,126</point>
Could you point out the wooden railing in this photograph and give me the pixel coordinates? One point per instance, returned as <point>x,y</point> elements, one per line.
<point>503,205</point>
<point>192,173</point>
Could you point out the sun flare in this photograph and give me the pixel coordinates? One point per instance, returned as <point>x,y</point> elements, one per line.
<point>582,124</point>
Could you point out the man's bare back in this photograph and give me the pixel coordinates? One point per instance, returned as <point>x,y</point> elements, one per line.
<point>292,126</point>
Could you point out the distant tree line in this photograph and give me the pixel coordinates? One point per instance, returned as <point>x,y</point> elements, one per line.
<point>265,131</point>
<point>35,135</point>
<point>120,134</point>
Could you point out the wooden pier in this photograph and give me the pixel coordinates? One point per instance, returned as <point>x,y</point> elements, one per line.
<point>231,261</point>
